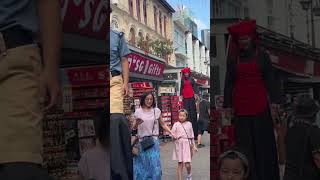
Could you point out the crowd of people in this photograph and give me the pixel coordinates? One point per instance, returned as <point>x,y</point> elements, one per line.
<point>138,157</point>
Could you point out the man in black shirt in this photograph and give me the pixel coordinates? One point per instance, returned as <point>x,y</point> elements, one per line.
<point>204,116</point>
<point>303,142</point>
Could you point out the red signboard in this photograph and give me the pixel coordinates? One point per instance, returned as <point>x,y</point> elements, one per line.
<point>84,76</point>
<point>145,66</point>
<point>139,85</point>
<point>85,17</point>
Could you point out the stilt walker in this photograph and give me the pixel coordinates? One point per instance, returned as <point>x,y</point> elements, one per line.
<point>189,91</point>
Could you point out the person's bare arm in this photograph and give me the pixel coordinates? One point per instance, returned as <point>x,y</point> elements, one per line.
<point>125,75</point>
<point>51,40</point>
<point>165,127</point>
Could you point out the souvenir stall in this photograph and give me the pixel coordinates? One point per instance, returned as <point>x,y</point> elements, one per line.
<point>68,131</point>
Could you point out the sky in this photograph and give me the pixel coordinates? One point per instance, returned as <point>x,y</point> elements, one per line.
<point>200,10</point>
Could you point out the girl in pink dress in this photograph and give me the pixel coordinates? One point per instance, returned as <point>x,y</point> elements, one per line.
<point>184,143</point>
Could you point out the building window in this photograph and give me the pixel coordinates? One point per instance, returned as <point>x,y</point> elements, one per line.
<point>114,23</point>
<point>140,36</point>
<point>160,22</point>
<point>132,36</point>
<point>138,10</point>
<point>145,12</point>
<point>131,7</point>
<point>155,19</point>
<point>147,38</point>
<point>165,25</point>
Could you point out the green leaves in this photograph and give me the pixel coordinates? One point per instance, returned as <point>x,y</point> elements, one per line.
<point>162,48</point>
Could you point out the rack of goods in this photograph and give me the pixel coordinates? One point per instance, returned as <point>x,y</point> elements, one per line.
<point>69,132</point>
<point>138,89</point>
<point>175,107</point>
<point>166,112</point>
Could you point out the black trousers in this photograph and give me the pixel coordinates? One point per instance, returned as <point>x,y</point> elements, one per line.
<point>190,106</point>
<point>121,154</point>
<point>255,134</point>
<point>23,171</point>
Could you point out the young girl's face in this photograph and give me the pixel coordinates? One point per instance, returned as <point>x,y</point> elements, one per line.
<point>232,169</point>
<point>182,116</point>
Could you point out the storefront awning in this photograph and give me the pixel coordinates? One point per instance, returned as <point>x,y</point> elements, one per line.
<point>145,66</point>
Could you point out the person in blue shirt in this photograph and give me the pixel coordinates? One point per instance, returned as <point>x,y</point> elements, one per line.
<point>120,155</point>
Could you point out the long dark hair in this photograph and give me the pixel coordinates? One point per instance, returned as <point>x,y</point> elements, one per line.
<point>143,99</point>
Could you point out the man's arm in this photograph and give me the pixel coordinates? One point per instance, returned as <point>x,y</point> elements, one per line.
<point>124,52</point>
<point>125,74</point>
<point>51,40</point>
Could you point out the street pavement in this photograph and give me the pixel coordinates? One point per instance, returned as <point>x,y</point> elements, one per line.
<point>200,166</point>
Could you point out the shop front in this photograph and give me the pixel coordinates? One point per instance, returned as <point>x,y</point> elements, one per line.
<point>146,74</point>
<point>172,81</point>
<point>202,82</point>
<point>297,73</point>
<point>68,132</point>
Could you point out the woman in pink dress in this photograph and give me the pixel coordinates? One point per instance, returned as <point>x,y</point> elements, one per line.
<point>184,144</point>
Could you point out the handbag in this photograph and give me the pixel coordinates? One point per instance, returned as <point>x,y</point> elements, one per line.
<point>148,141</point>
<point>190,143</point>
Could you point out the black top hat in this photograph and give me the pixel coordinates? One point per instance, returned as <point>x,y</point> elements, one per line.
<point>306,107</point>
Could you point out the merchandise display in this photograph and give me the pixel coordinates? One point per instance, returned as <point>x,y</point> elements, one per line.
<point>69,133</point>
<point>166,112</point>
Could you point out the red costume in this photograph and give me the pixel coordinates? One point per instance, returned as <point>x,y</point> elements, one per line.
<point>249,84</point>
<point>187,91</point>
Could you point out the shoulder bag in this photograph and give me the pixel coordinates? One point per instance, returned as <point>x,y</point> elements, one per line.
<point>148,141</point>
